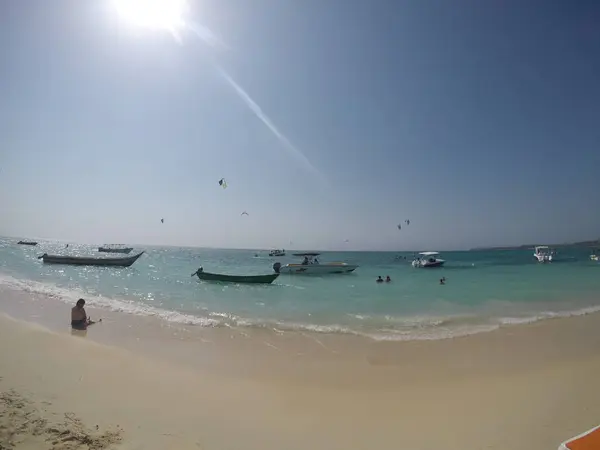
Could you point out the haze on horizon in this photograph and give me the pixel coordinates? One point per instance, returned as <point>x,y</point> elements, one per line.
<point>478,122</point>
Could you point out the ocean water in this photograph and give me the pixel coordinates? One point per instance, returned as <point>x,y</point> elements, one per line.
<point>484,289</point>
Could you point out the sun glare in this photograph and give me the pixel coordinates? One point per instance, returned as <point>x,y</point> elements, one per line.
<point>157,14</point>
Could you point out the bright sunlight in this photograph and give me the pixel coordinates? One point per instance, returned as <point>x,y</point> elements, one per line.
<point>157,14</point>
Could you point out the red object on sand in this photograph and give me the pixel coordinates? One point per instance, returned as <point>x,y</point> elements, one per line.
<point>590,440</point>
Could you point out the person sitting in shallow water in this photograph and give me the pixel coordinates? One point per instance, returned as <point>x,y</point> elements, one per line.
<point>79,318</point>
<point>388,279</point>
<point>379,279</point>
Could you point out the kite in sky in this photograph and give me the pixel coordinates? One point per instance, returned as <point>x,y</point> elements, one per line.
<point>223,183</point>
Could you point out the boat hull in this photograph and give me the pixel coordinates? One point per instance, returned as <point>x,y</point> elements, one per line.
<point>115,250</point>
<point>87,261</point>
<point>428,264</point>
<point>317,269</point>
<point>27,243</point>
<point>242,279</point>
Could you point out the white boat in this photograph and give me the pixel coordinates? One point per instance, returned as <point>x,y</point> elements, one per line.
<point>543,254</point>
<point>277,252</point>
<point>594,256</point>
<point>311,266</point>
<point>428,260</point>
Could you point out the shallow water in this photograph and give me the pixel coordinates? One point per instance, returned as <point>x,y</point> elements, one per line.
<point>484,290</point>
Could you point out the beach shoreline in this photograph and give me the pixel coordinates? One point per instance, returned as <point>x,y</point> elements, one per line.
<point>527,386</point>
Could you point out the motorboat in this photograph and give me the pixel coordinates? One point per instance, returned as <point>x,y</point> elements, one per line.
<point>115,248</point>
<point>311,265</point>
<point>543,254</point>
<point>428,260</point>
<point>277,252</point>
<point>242,279</point>
<point>90,261</point>
<point>595,256</point>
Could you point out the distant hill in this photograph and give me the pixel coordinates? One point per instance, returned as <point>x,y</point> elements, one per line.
<point>585,244</point>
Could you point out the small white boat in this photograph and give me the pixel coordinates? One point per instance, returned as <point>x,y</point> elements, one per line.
<point>428,260</point>
<point>594,256</point>
<point>543,254</point>
<point>311,266</point>
<point>277,252</point>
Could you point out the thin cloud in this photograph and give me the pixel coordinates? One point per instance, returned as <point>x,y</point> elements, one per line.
<point>209,38</point>
<point>259,113</point>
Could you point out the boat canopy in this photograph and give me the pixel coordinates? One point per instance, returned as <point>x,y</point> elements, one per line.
<point>542,247</point>
<point>429,253</point>
<point>306,254</point>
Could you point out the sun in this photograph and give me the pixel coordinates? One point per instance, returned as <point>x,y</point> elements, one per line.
<point>156,14</point>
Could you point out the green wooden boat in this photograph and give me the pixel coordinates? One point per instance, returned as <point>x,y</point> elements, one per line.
<point>246,279</point>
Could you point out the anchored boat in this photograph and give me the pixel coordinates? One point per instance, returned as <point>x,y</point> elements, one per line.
<point>88,261</point>
<point>27,243</point>
<point>543,254</point>
<point>311,266</point>
<point>428,260</point>
<point>115,248</point>
<point>277,252</point>
<point>245,279</point>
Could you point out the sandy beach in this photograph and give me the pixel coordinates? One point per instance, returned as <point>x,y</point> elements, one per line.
<point>136,383</point>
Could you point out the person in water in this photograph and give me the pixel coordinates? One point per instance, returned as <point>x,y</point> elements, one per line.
<point>379,279</point>
<point>79,318</point>
<point>443,280</point>
<point>388,279</point>
<point>305,262</point>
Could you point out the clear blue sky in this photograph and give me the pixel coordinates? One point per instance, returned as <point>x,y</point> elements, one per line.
<point>478,120</point>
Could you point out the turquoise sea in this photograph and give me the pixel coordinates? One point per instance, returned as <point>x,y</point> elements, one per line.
<point>484,289</point>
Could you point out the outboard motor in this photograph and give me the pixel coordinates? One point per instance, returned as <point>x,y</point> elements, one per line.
<point>277,267</point>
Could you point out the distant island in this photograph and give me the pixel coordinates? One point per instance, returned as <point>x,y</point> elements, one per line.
<point>594,243</point>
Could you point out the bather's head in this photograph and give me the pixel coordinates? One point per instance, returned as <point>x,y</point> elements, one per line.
<point>80,303</point>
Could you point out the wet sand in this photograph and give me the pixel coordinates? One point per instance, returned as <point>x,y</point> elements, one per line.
<point>146,384</point>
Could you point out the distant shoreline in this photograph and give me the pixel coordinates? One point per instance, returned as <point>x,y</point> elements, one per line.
<point>585,244</point>
<point>579,244</point>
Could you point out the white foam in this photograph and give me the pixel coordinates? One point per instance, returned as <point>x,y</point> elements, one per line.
<point>548,315</point>
<point>70,296</point>
<point>382,328</point>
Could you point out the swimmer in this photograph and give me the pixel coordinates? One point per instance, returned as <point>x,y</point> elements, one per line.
<point>379,279</point>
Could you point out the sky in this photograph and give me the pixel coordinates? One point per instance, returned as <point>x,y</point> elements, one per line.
<point>330,121</point>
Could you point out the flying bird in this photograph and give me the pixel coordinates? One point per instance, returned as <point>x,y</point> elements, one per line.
<point>162,220</point>
<point>223,183</point>
<point>244,213</point>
